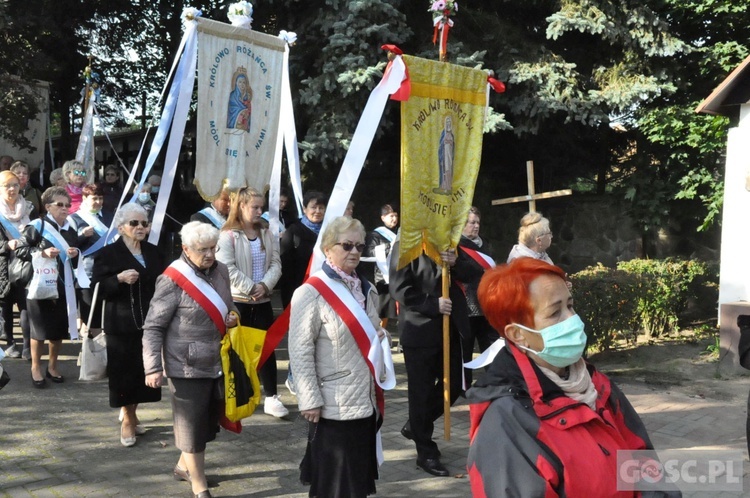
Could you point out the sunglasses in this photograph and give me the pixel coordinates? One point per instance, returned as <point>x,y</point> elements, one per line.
<point>348,246</point>
<point>60,204</point>
<point>79,172</point>
<point>134,223</point>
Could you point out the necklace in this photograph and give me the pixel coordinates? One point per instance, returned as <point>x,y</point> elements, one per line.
<point>140,305</point>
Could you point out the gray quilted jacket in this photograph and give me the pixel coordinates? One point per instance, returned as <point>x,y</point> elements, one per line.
<point>178,330</point>
<point>329,369</point>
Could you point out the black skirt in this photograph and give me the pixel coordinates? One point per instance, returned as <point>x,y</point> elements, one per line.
<point>48,318</point>
<point>127,382</point>
<point>340,461</point>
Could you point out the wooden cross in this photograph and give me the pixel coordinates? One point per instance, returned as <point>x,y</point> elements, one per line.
<point>532,195</point>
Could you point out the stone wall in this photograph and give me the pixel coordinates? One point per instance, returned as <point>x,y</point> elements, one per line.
<point>590,229</point>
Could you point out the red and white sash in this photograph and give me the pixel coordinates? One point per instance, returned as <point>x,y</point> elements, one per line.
<point>481,258</point>
<point>200,291</point>
<point>376,351</point>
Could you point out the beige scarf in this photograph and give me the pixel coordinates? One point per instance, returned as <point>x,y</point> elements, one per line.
<point>578,385</point>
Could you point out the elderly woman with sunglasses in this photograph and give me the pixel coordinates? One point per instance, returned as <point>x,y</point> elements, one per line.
<point>333,313</point>
<point>126,272</point>
<point>76,176</point>
<point>544,421</point>
<point>182,338</point>
<point>49,318</point>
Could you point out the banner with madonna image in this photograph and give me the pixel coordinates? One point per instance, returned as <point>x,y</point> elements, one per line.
<point>442,125</point>
<point>239,99</point>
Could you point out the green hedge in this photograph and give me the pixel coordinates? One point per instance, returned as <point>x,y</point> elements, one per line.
<point>640,295</point>
<point>607,302</point>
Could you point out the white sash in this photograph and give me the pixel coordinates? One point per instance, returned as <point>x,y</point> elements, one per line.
<point>50,233</point>
<point>212,214</point>
<point>213,297</point>
<point>93,221</point>
<point>487,356</point>
<point>387,233</point>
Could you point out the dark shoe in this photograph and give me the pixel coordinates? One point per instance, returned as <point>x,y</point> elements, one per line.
<point>203,494</point>
<point>432,466</point>
<point>39,384</point>
<point>406,431</point>
<point>181,474</point>
<point>13,351</point>
<point>59,379</point>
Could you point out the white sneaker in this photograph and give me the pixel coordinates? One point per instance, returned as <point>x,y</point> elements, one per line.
<point>274,407</point>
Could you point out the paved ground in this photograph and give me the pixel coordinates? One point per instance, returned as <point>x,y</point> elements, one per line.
<point>64,441</point>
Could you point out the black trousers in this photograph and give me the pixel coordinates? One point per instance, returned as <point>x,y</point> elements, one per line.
<point>482,332</point>
<point>16,295</point>
<point>424,371</point>
<point>260,316</point>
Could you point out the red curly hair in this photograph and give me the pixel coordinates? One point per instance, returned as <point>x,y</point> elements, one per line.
<point>504,291</point>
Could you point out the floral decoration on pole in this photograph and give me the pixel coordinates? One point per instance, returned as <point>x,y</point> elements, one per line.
<point>442,10</point>
<point>189,14</point>
<point>241,14</point>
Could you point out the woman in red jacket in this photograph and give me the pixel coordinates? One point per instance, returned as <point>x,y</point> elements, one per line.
<point>544,422</point>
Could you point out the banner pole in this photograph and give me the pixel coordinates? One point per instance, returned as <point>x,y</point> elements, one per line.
<point>446,359</point>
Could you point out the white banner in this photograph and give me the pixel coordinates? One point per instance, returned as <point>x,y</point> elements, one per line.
<point>37,128</point>
<point>239,96</point>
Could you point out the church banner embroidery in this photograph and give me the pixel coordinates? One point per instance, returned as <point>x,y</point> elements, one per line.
<point>239,90</point>
<point>441,148</point>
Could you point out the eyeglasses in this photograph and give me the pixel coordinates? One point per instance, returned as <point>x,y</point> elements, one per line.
<point>79,172</point>
<point>348,246</point>
<point>11,185</point>
<point>206,250</point>
<point>60,204</point>
<point>135,223</point>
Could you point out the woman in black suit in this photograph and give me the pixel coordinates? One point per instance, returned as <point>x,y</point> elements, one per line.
<point>126,272</point>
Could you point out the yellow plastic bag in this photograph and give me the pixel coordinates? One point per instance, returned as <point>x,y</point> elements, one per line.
<point>241,348</point>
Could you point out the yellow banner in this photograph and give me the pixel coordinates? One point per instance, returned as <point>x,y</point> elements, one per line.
<point>441,148</point>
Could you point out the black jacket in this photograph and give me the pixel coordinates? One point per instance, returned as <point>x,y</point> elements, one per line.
<point>417,288</point>
<point>120,317</point>
<point>295,248</point>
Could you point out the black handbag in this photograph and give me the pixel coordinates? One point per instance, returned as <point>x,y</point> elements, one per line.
<point>19,271</point>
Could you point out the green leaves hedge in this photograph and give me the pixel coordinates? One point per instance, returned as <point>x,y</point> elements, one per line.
<point>639,296</point>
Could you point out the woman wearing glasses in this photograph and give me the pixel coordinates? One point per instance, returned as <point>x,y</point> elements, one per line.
<point>534,238</point>
<point>126,271</point>
<point>335,386</point>
<point>15,214</point>
<point>76,175</point>
<point>251,254</point>
<point>56,239</point>
<point>182,338</point>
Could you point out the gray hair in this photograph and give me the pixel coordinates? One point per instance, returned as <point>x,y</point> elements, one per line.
<point>126,212</point>
<point>49,195</point>
<point>55,175</point>
<point>338,226</point>
<point>197,232</point>
<point>533,225</point>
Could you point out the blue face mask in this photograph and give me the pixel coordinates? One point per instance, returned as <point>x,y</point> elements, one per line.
<point>144,197</point>
<point>564,342</point>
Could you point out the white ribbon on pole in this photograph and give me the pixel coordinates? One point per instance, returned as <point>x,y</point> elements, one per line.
<point>184,97</point>
<point>289,129</point>
<point>360,146</point>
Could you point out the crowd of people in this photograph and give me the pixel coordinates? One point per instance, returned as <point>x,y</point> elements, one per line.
<point>165,320</point>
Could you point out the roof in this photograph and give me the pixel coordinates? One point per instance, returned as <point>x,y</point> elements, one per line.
<point>730,94</point>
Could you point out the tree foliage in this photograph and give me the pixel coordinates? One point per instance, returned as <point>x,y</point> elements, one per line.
<point>573,69</point>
